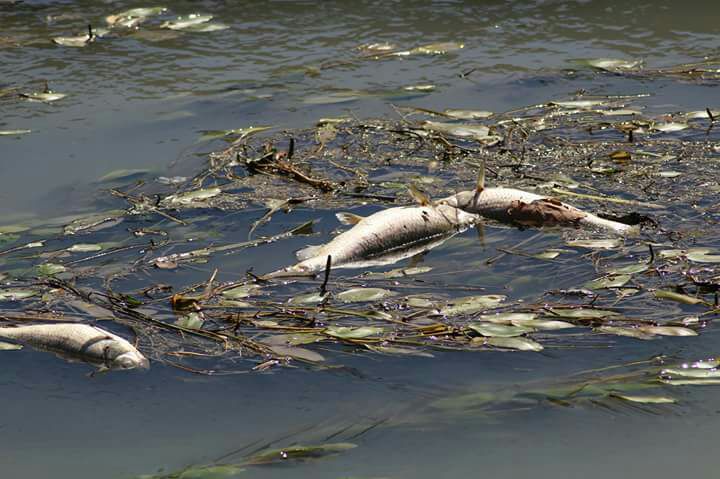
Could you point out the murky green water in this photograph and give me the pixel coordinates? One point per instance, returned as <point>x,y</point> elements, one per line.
<point>142,102</point>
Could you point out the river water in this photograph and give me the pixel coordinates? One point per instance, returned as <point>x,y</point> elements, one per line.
<point>141,101</point>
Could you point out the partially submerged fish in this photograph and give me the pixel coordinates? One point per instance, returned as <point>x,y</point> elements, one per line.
<point>383,238</point>
<point>521,207</point>
<point>79,341</point>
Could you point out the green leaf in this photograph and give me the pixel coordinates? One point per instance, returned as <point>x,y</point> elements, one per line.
<point>498,330</point>
<point>308,298</point>
<point>694,373</point>
<point>190,197</point>
<point>298,453</point>
<point>356,295</point>
<point>191,321</point>
<point>645,399</point>
<point>507,318</point>
<point>610,243</point>
<point>50,269</point>
<point>680,298</point>
<point>699,257</point>
<point>613,64</point>
<point>343,332</point>
<point>668,330</point>
<point>610,281</point>
<point>471,304</point>
<point>583,313</point>
<point>637,333</point>
<point>542,324</point>
<point>521,344</point>
<point>629,269</point>
<point>242,291</point>
<point>399,272</point>
<point>399,350</point>
<point>16,294</point>
<point>84,248</point>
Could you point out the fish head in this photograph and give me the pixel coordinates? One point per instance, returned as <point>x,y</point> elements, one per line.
<point>130,360</point>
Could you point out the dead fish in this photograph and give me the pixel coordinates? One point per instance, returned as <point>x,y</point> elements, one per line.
<point>383,238</point>
<point>79,341</point>
<point>529,209</point>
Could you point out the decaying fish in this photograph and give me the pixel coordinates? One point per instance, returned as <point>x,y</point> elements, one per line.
<point>79,342</point>
<point>529,209</point>
<point>383,238</point>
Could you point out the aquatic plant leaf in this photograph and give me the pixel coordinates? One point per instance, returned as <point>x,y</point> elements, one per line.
<point>191,197</point>
<point>620,112</point>
<point>467,114</point>
<point>669,127</point>
<point>583,313</point>
<point>50,269</point>
<point>645,399</point>
<point>493,330</point>
<point>344,332</point>
<point>191,321</point>
<point>308,298</point>
<point>543,324</point>
<point>298,453</point>
<point>472,304</point>
<point>77,42</point>
<point>507,318</point>
<point>418,302</point>
<point>293,339</point>
<point>421,88</point>
<point>298,353</point>
<point>613,64</point>
<point>242,291</point>
<point>8,229</point>
<point>84,248</point>
<point>399,272</point>
<point>669,174</point>
<point>206,27</point>
<point>463,130</point>
<point>680,298</point>
<point>16,294</point>
<point>14,132</point>
<point>629,269</point>
<point>332,98</point>
<point>609,243</point>
<point>356,295</point>
<point>637,333</point>
<point>609,281</point>
<point>668,330</point>
<point>547,254</point>
<point>94,222</point>
<point>521,344</point>
<point>141,12</point>
<point>700,257</point>
<point>9,346</point>
<point>122,174</point>
<point>399,350</point>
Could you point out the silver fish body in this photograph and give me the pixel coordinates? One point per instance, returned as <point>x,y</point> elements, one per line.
<point>385,237</point>
<point>501,203</point>
<point>79,341</point>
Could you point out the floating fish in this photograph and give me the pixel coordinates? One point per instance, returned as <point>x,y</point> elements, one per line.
<point>529,209</point>
<point>383,238</point>
<point>83,342</point>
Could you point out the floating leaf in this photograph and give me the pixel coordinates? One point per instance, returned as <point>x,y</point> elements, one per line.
<point>355,295</point>
<point>583,313</point>
<point>620,112</point>
<point>629,269</point>
<point>610,243</point>
<point>493,330</point>
<point>521,344</point>
<point>691,382</point>
<point>637,333</point>
<point>418,302</point>
<point>206,27</point>
<point>293,339</point>
<point>123,174</point>
<point>507,318</point>
<point>423,88</point>
<point>680,298</point>
<point>472,304</point>
<point>343,332</point>
<point>191,197</point>
<point>669,127</point>
<point>703,257</point>
<point>583,104</point>
<point>134,13</point>
<point>14,132</point>
<point>309,298</point>
<point>9,346</point>
<point>463,130</point>
<point>298,353</point>
<point>405,351</point>
<point>298,453</point>
<point>242,291</point>
<point>16,294</point>
<point>191,321</point>
<point>332,98</point>
<point>668,330</point>
<point>669,174</point>
<point>610,281</point>
<point>78,41</point>
<point>542,324</point>
<point>547,254</point>
<point>50,269</point>
<point>84,248</point>
<point>400,272</point>
<point>645,399</point>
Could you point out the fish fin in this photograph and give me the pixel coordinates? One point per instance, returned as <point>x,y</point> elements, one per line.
<point>308,252</point>
<point>480,185</point>
<point>349,218</point>
<point>420,197</point>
